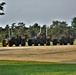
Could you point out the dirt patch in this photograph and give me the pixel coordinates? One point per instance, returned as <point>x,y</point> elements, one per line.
<point>40,53</point>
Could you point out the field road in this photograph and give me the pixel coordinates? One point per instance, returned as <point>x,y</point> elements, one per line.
<point>64,53</point>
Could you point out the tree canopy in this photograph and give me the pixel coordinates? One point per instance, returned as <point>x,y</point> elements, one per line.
<point>55,29</point>
<point>2,8</point>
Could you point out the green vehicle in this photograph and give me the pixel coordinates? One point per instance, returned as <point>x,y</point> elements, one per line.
<point>16,40</point>
<point>39,39</point>
<point>64,40</point>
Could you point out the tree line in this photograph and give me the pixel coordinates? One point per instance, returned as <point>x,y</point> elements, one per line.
<point>55,29</point>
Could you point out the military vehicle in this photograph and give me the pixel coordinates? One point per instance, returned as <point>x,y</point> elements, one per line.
<point>15,40</point>
<point>64,40</point>
<point>41,38</point>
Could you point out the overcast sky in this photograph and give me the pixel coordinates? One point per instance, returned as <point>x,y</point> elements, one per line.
<point>38,11</point>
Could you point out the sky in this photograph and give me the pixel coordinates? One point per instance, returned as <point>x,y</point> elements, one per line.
<point>37,11</point>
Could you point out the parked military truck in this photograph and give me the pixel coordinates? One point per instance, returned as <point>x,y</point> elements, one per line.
<point>15,40</point>
<point>39,39</point>
<point>64,40</point>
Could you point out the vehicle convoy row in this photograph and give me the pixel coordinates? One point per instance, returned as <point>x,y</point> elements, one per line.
<point>39,39</point>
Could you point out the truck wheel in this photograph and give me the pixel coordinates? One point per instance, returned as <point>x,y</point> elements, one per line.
<point>60,43</point>
<point>29,44</point>
<point>35,44</point>
<point>16,44</point>
<point>10,43</point>
<point>71,43</point>
<point>48,43</point>
<point>22,43</point>
<point>3,43</point>
<point>42,44</point>
<point>54,43</point>
<point>65,43</point>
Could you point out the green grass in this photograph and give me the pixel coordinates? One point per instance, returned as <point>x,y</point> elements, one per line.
<point>0,44</point>
<point>75,42</point>
<point>36,68</point>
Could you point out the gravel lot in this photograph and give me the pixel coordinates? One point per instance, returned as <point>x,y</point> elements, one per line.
<point>40,53</point>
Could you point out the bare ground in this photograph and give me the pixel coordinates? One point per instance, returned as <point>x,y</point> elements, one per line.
<point>40,53</point>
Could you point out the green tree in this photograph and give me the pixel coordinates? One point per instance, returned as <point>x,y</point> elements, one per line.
<point>58,28</point>
<point>34,30</point>
<point>73,25</point>
<point>18,29</point>
<point>7,31</point>
<point>13,29</point>
<point>2,8</point>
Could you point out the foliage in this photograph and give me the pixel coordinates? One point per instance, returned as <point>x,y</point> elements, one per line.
<point>56,29</point>
<point>2,8</point>
<point>75,42</point>
<point>36,68</point>
<point>73,24</point>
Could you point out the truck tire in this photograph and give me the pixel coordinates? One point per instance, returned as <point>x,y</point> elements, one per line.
<point>16,44</point>
<point>3,43</point>
<point>48,43</point>
<point>22,43</point>
<point>71,42</point>
<point>35,44</point>
<point>55,42</point>
<point>10,43</point>
<point>42,44</point>
<point>65,43</point>
<point>29,44</point>
<point>60,42</point>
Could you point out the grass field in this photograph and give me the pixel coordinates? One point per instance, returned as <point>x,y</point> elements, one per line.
<point>36,68</point>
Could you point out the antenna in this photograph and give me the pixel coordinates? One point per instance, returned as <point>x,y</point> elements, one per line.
<point>9,33</point>
<point>46,30</point>
<point>40,29</point>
